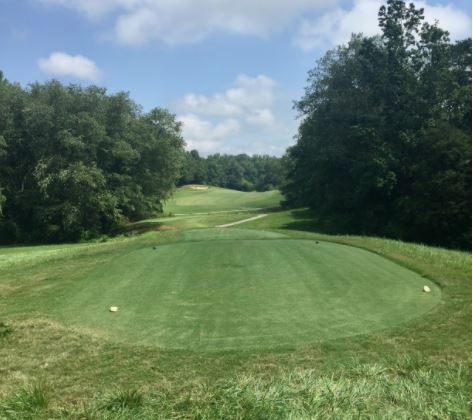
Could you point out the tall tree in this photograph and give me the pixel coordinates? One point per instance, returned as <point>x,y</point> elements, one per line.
<point>383,147</point>
<point>76,161</point>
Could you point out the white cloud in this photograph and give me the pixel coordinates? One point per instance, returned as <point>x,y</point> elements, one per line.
<point>94,8</point>
<point>263,117</point>
<point>451,19</point>
<point>62,64</point>
<point>248,97</point>
<point>216,105</point>
<point>239,119</point>
<point>335,27</point>
<point>183,21</point>
<point>205,136</point>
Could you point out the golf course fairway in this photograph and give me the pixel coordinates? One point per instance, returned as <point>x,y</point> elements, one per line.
<point>207,199</point>
<point>221,289</point>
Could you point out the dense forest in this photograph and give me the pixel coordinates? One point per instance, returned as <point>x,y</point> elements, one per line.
<point>239,172</point>
<point>384,147</point>
<point>75,162</point>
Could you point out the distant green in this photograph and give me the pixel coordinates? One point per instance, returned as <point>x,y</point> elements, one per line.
<point>213,199</point>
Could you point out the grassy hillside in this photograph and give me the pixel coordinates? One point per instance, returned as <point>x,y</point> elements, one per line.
<point>65,356</point>
<point>194,221</point>
<point>203,199</point>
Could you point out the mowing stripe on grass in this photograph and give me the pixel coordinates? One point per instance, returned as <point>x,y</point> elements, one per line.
<point>217,290</point>
<point>187,200</point>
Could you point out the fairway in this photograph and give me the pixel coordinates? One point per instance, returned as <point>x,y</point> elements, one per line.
<point>234,289</point>
<point>193,199</point>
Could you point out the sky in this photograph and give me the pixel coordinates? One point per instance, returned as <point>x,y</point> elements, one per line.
<point>229,70</point>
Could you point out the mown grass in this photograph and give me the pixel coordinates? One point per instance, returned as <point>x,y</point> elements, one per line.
<point>221,289</point>
<point>196,221</point>
<point>188,200</point>
<point>416,370</point>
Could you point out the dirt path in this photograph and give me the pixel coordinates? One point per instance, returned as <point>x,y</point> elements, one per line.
<point>242,221</point>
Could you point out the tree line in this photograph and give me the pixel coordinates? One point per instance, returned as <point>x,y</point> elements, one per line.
<point>239,172</point>
<point>384,146</point>
<point>75,162</point>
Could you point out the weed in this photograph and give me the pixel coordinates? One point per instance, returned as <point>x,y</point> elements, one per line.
<point>124,399</point>
<point>28,402</point>
<point>5,330</point>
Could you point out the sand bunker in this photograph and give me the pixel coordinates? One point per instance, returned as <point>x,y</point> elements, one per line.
<point>198,187</point>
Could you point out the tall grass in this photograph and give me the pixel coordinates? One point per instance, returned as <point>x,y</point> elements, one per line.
<point>406,389</point>
<point>29,402</point>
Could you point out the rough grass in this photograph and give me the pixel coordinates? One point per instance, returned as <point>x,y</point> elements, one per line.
<point>21,256</point>
<point>29,402</point>
<point>405,389</point>
<point>417,370</point>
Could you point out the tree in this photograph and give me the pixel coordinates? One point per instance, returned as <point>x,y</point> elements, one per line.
<point>76,161</point>
<point>383,147</point>
<point>241,172</point>
<point>194,169</point>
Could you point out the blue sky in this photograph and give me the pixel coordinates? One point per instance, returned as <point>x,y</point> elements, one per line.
<point>228,69</point>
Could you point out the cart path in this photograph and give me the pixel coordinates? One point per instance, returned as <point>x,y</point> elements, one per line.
<point>242,221</point>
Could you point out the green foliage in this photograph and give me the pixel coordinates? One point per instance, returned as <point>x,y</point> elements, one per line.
<point>76,161</point>
<point>238,172</point>
<point>384,146</point>
<point>27,403</point>
<point>121,399</point>
<point>4,330</point>
<point>2,201</point>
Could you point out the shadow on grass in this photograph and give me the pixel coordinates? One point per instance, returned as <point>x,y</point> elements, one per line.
<point>4,330</point>
<point>306,220</point>
<point>141,227</point>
